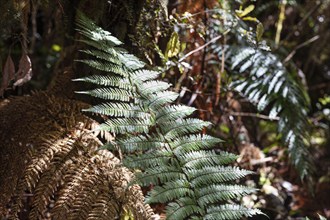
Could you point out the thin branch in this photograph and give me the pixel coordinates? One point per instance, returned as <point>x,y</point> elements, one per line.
<point>201,47</point>
<point>222,70</point>
<point>206,38</point>
<point>260,161</point>
<point>319,86</point>
<point>180,80</point>
<point>280,22</point>
<point>34,25</point>
<point>309,41</point>
<point>256,115</point>
<point>307,15</point>
<point>200,12</point>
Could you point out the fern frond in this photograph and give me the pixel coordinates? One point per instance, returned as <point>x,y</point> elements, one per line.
<point>270,84</point>
<point>126,125</point>
<point>106,80</point>
<point>64,173</point>
<point>100,46</point>
<point>160,142</point>
<point>112,58</point>
<point>110,94</point>
<point>127,110</point>
<point>140,143</point>
<point>153,86</point>
<point>217,193</point>
<point>130,61</point>
<point>93,32</point>
<point>225,212</point>
<point>105,37</point>
<point>145,75</point>
<point>159,175</point>
<point>169,192</point>
<point>216,174</point>
<point>192,143</point>
<point>158,100</point>
<point>151,159</point>
<point>242,56</point>
<point>105,66</point>
<point>199,159</point>
<point>183,208</point>
<point>174,112</point>
<point>181,127</point>
<point>101,207</point>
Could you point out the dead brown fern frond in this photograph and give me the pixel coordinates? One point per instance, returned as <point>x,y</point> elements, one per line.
<point>54,157</point>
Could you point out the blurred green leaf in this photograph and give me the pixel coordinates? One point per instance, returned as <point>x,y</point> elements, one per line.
<point>325,100</point>
<point>249,18</point>
<point>173,47</point>
<point>56,48</point>
<point>260,31</point>
<point>224,128</point>
<point>241,13</point>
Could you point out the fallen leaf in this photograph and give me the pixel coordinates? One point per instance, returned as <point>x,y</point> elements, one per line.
<point>8,74</point>
<point>24,73</point>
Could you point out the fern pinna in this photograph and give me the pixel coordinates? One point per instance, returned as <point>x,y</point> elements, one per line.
<point>158,140</point>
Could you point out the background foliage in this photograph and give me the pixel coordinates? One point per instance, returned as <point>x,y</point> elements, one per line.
<point>258,70</point>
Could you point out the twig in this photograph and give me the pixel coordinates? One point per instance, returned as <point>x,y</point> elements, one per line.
<point>319,86</point>
<point>200,12</point>
<point>262,160</point>
<point>180,80</point>
<point>222,70</point>
<point>256,115</point>
<point>28,194</point>
<point>34,25</point>
<point>201,47</point>
<point>280,22</point>
<point>309,41</point>
<point>318,4</point>
<point>206,38</point>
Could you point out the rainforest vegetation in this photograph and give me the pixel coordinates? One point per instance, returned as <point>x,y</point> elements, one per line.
<point>164,109</point>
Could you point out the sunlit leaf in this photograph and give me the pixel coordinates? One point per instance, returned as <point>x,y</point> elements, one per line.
<point>249,18</point>
<point>56,47</point>
<point>246,11</point>
<point>173,46</point>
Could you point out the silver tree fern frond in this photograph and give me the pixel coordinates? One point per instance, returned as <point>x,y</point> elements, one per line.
<point>269,84</point>
<point>164,147</point>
